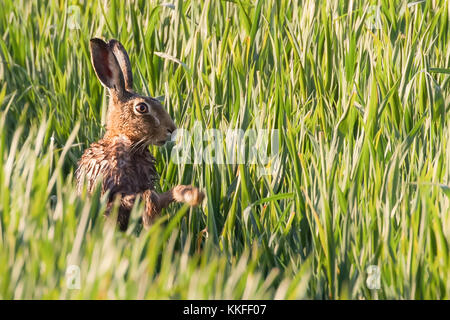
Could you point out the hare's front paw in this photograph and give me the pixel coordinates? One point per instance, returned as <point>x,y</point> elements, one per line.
<point>188,194</point>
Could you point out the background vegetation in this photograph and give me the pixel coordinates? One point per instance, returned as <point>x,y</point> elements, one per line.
<point>362,105</point>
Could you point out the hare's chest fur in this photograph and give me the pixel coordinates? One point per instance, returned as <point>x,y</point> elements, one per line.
<point>122,169</point>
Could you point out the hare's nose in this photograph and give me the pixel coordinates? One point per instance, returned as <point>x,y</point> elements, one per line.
<point>171,129</point>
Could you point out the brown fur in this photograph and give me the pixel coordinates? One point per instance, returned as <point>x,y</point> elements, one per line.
<point>121,159</point>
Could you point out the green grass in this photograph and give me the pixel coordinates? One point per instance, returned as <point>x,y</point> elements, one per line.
<point>364,126</point>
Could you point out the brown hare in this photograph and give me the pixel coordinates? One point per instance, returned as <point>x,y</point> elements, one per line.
<point>121,158</point>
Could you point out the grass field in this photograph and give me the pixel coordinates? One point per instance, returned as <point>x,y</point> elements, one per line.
<point>360,94</point>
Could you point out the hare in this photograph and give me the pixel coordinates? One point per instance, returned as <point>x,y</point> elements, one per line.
<point>121,158</point>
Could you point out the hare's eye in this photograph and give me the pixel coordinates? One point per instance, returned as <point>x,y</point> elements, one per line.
<point>141,108</point>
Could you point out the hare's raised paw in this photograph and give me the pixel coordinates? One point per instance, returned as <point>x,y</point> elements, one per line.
<point>188,194</point>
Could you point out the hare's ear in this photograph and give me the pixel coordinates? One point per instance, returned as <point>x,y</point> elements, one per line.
<point>106,66</point>
<point>124,62</point>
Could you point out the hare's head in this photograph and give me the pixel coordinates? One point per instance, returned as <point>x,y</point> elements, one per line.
<point>142,119</point>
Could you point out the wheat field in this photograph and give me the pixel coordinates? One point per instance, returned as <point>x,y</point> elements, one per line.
<point>356,207</point>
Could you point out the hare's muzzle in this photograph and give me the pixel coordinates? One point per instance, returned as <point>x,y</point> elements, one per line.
<point>168,136</point>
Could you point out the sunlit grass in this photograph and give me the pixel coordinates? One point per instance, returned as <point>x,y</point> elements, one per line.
<point>364,176</point>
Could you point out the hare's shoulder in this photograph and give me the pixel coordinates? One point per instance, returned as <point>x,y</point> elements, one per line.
<point>122,169</point>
